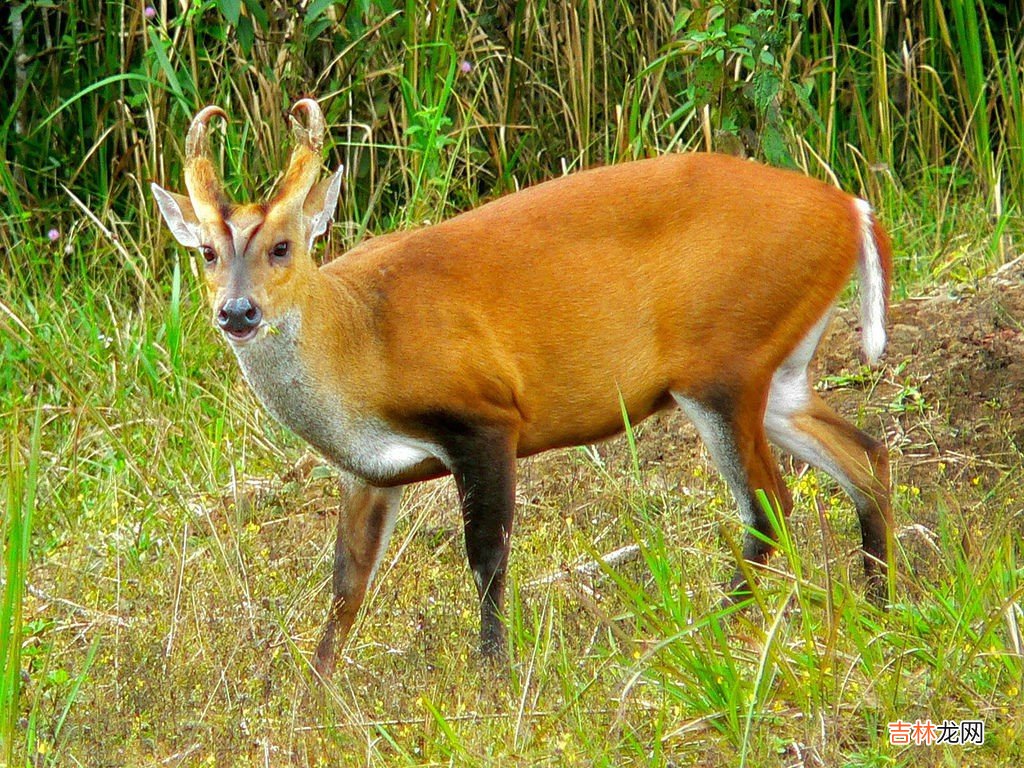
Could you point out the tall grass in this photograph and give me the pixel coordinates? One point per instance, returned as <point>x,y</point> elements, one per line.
<point>878,95</point>
<point>21,482</point>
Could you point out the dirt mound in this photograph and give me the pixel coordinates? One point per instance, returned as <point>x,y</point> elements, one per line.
<point>951,392</point>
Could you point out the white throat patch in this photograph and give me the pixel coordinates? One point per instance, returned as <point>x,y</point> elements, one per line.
<point>362,445</point>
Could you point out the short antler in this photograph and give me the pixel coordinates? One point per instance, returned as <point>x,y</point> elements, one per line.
<point>201,177</point>
<point>195,143</point>
<point>313,134</point>
<point>304,166</point>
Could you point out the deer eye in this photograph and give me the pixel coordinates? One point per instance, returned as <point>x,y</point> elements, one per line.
<point>209,255</point>
<point>280,251</point>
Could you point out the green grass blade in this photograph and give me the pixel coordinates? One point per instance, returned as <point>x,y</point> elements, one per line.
<point>22,481</point>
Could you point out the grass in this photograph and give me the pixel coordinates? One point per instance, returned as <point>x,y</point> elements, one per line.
<point>21,488</point>
<point>167,549</point>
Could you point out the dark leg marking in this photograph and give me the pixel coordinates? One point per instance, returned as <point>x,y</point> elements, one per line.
<point>483,464</point>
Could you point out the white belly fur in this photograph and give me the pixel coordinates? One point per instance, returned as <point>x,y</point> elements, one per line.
<point>363,446</point>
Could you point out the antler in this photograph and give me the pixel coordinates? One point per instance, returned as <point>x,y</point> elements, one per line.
<point>204,186</point>
<point>304,166</point>
<point>313,135</point>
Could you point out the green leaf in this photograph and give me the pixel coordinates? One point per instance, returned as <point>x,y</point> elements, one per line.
<point>160,51</point>
<point>246,34</point>
<point>322,472</point>
<point>231,9</point>
<point>773,144</point>
<point>255,8</point>
<point>316,8</point>
<point>314,30</point>
<point>765,86</point>
<point>682,20</point>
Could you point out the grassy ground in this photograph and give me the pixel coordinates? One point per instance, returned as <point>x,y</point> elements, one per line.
<point>167,545</point>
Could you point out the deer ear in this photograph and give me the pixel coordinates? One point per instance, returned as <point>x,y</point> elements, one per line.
<point>179,214</point>
<point>320,205</point>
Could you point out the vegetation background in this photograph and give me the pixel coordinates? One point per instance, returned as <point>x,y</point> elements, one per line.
<point>166,546</point>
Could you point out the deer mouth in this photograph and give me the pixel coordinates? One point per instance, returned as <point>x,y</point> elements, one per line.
<point>242,336</point>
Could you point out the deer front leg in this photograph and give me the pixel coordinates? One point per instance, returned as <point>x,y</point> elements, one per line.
<point>484,466</point>
<point>365,522</point>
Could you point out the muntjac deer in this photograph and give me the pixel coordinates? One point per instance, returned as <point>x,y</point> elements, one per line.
<point>527,324</point>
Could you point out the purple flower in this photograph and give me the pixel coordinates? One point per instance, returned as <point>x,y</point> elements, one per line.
<point>54,235</point>
<point>466,67</point>
<point>150,12</point>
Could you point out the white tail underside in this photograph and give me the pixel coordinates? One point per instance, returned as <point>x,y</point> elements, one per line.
<point>872,287</point>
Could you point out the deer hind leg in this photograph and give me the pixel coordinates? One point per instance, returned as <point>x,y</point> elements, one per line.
<point>365,523</point>
<point>733,432</point>
<point>800,423</point>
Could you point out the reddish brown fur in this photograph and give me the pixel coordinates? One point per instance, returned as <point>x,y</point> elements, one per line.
<point>523,312</point>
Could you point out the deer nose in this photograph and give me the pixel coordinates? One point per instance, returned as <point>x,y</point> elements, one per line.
<point>239,318</point>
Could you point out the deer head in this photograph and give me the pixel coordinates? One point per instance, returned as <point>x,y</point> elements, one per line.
<point>256,256</point>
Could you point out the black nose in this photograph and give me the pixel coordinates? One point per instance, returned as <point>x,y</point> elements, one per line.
<point>239,316</point>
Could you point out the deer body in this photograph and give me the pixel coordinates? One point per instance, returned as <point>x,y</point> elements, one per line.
<point>528,323</point>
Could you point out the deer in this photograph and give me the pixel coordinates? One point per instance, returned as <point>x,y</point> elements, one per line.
<point>546,318</point>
